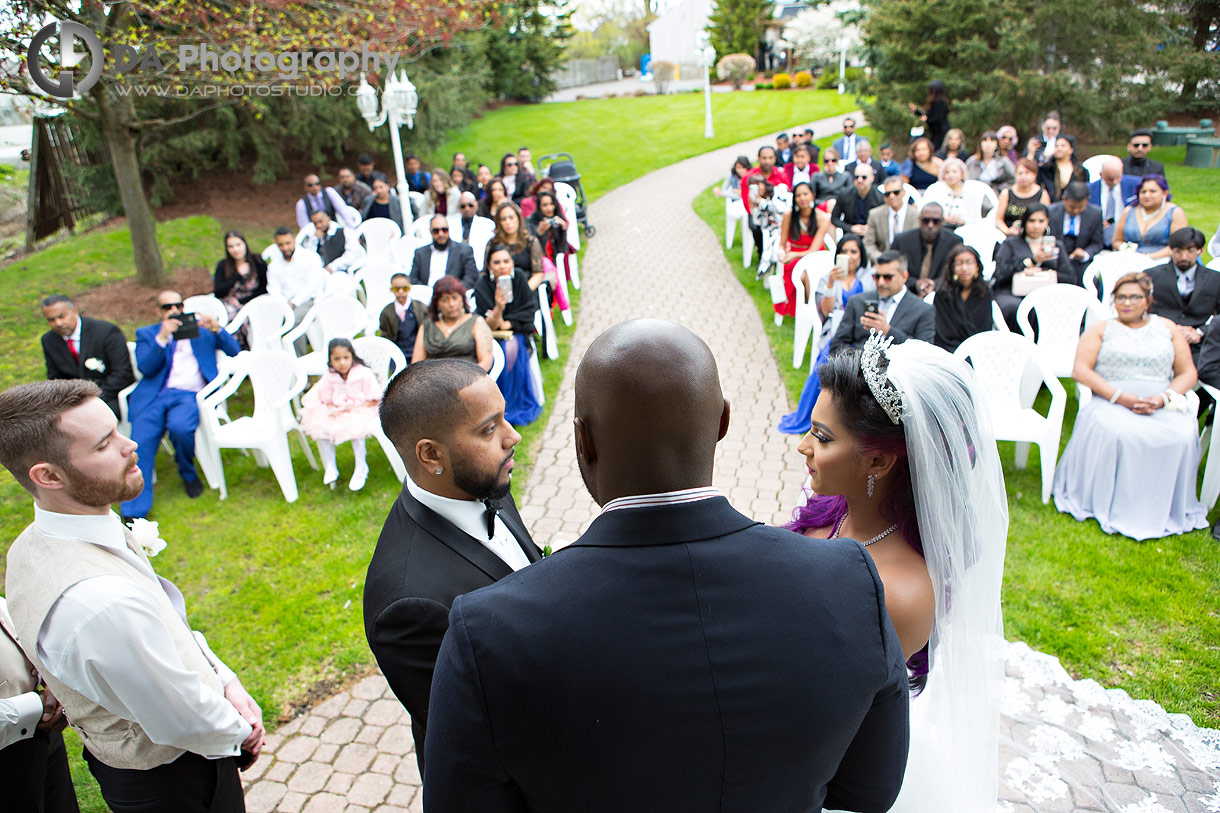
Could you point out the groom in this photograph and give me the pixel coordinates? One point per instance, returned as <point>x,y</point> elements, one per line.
<point>679,656</point>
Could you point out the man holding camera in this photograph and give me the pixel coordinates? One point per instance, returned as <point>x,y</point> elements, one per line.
<point>177,357</point>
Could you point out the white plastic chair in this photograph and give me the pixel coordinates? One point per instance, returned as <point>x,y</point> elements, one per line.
<point>341,284</point>
<point>334,317</point>
<point>734,216</point>
<point>269,317</point>
<point>1210,489</point>
<point>1004,364</point>
<point>1092,165</point>
<point>1060,310</point>
<point>400,253</point>
<point>1108,266</point>
<point>276,381</point>
<point>481,232</point>
<point>378,233</point>
<point>998,322</point>
<point>386,360</point>
<point>206,303</point>
<point>417,205</point>
<point>421,229</point>
<point>983,237</point>
<point>567,199</point>
<point>546,326</point>
<point>497,361</point>
<point>374,282</point>
<point>1213,247</point>
<point>990,199</point>
<point>914,198</point>
<point>816,266</point>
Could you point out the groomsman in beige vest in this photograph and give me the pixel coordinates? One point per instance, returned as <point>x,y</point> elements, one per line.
<point>165,724</point>
<point>34,772</point>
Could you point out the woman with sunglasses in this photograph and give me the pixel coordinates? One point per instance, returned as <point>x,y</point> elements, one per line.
<point>922,167</point>
<point>831,295</point>
<point>831,182</point>
<point>1132,460</point>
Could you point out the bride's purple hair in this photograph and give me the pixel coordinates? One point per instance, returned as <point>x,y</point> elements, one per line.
<point>874,433</point>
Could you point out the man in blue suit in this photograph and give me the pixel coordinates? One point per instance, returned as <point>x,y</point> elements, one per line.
<point>1111,193</point>
<point>679,656</point>
<point>173,371</point>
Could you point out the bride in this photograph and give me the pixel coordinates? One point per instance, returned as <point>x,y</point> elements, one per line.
<point>902,459</point>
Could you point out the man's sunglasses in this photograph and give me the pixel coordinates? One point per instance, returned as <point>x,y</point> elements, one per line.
<point>400,289</point>
<point>169,306</point>
<point>893,192</point>
<point>930,221</point>
<point>441,230</point>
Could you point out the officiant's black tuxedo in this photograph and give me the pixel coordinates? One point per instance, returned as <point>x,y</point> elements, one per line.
<point>98,340</point>
<point>679,658</point>
<point>422,562</point>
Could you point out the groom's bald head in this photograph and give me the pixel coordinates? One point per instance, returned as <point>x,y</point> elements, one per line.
<point>649,410</point>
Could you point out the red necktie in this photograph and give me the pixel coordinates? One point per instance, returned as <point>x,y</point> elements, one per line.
<point>72,347</point>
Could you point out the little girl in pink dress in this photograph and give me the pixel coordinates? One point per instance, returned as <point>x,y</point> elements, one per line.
<point>342,407</point>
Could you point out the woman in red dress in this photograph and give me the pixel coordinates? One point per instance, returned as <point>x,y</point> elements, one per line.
<point>804,230</point>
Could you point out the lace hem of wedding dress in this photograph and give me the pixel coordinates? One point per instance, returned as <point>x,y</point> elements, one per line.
<point>1068,745</point>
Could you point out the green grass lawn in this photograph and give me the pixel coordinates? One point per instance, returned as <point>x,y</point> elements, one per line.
<point>1134,615</point>
<point>617,140</point>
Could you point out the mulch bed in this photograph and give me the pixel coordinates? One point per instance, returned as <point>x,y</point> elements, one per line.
<point>127,302</point>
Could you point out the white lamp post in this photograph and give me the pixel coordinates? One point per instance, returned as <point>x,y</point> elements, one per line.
<point>399,103</point>
<point>842,64</point>
<point>707,55</point>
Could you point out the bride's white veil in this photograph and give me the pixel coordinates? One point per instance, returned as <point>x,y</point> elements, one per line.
<point>962,511</point>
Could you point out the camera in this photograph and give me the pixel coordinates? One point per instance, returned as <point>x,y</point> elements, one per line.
<point>188,328</point>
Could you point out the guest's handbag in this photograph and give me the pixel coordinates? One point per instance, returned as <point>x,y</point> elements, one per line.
<point>1023,284</point>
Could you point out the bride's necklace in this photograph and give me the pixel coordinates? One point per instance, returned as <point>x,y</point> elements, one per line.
<point>876,538</point>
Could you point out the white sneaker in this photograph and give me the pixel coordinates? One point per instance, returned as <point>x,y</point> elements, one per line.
<point>330,477</point>
<point>359,476</point>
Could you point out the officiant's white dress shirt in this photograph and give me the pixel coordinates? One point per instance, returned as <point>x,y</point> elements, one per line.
<point>470,516</point>
<point>106,639</point>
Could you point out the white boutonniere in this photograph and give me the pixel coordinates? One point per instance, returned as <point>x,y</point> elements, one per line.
<point>96,365</point>
<point>146,536</point>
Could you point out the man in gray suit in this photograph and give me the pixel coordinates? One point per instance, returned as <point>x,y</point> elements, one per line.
<point>443,257</point>
<point>895,311</point>
<point>889,220</point>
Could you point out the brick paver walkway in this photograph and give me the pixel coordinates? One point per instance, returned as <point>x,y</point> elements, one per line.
<point>653,256</point>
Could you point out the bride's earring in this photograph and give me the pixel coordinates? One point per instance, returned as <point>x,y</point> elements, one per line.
<point>871,479</point>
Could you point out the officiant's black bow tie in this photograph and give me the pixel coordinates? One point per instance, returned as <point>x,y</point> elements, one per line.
<point>492,508</point>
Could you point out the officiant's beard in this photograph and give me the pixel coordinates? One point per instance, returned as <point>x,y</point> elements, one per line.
<point>480,485</point>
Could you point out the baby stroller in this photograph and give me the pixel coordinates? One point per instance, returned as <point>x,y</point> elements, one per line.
<point>561,168</point>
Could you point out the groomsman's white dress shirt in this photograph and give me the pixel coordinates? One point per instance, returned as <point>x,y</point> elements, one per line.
<point>106,640</point>
<point>299,280</point>
<point>19,713</point>
<point>469,516</point>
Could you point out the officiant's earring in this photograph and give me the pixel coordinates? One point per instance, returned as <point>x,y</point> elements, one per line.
<point>871,478</point>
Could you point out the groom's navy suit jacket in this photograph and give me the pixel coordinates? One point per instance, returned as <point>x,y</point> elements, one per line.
<point>675,658</point>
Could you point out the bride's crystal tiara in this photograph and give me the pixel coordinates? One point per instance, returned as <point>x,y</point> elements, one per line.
<point>878,384</point>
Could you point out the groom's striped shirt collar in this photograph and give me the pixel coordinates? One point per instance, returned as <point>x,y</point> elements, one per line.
<point>666,498</point>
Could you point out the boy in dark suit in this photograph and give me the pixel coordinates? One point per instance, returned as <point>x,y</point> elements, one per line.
<point>79,347</point>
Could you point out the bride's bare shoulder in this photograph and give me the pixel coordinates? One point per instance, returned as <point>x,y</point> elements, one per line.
<point>909,598</point>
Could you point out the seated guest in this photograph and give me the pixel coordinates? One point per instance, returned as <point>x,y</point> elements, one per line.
<point>1078,224</point>
<point>79,347</point>
<point>731,188</point>
<point>1033,150</point>
<point>367,174</point>
<point>442,195</point>
<point>469,228</point>
<point>296,276</point>
<point>990,164</point>
<point>510,176</point>
<point>926,248</point>
<point>353,192</point>
<point>1033,251</point>
<point>240,276</point>
<point>530,202</point>
<point>495,194</point>
<point>459,164</point>
<point>803,230</point>
<point>525,168</point>
<point>845,145</point>
<point>163,402</point>
<point>922,167</point>
<point>888,165</point>
<point>899,314</point>
<point>327,200</point>
<point>851,208</point>
<point>509,309</point>
<point>1113,192</point>
<point>482,177</point>
<point>1052,126</point>
<point>342,407</point>
<point>888,221</point>
<point>783,152</point>
<point>864,156</point>
<point>831,293</point>
<point>831,182</point>
<point>1184,290</point>
<point>1133,457</point>
<point>1007,136</point>
<point>383,204</point>
<point>401,320</point>
<point>769,171</point>
<point>550,228</point>
<point>463,182</point>
<point>417,180</point>
<point>1149,222</point>
<point>525,249</point>
<point>1017,199</point>
<point>442,257</point>
<point>450,331</point>
<point>962,203</point>
<point>963,299</point>
<point>1061,168</point>
<point>1137,162</point>
<point>801,170</point>
<point>338,247</point>
<point>954,146</point>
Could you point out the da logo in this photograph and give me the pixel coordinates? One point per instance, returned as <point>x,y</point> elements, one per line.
<point>68,32</point>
